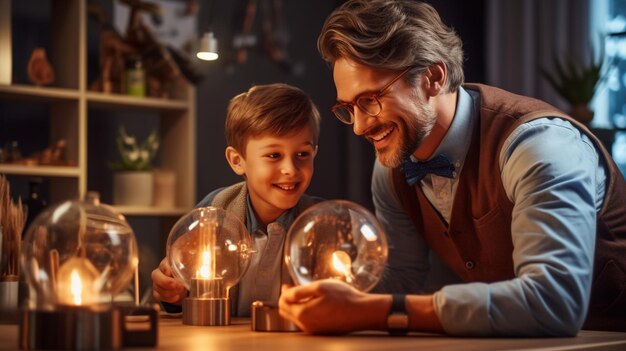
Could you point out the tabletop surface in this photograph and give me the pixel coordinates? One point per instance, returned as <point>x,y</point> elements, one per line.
<point>173,335</point>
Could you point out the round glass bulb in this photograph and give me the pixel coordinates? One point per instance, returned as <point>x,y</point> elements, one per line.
<point>337,239</point>
<point>78,253</point>
<point>209,245</point>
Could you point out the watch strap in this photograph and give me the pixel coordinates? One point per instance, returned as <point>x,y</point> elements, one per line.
<point>398,320</point>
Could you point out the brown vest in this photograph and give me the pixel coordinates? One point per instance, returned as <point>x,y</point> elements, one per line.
<point>477,242</point>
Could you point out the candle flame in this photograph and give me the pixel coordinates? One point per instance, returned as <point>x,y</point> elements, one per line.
<point>205,269</point>
<point>76,287</point>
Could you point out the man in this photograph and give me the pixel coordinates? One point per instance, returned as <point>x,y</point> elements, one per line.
<point>520,231</point>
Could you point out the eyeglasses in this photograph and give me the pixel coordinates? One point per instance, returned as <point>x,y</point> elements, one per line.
<point>369,103</point>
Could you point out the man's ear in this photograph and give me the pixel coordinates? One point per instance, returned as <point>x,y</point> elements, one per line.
<point>435,79</point>
<point>235,160</point>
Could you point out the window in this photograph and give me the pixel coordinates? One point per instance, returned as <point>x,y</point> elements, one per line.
<point>610,16</point>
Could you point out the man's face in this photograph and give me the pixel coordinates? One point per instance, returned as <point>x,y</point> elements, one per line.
<point>278,171</point>
<point>405,119</point>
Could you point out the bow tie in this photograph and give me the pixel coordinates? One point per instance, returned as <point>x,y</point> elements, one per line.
<point>415,171</point>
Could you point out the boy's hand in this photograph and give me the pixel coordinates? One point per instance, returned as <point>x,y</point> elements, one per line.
<point>324,307</point>
<point>165,287</point>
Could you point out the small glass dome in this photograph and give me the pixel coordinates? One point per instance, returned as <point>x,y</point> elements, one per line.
<point>337,239</point>
<point>209,244</point>
<point>78,253</point>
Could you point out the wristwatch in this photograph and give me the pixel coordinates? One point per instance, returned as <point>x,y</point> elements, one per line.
<point>398,320</point>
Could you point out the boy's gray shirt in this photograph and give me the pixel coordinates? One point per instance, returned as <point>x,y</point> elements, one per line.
<point>267,270</point>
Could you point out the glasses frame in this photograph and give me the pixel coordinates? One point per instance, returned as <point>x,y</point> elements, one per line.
<point>349,106</point>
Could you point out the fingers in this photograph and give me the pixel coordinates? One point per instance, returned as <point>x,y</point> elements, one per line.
<point>164,267</point>
<point>164,286</point>
<point>299,294</point>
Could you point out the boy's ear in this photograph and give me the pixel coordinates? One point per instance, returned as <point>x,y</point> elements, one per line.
<point>235,160</point>
<point>315,151</point>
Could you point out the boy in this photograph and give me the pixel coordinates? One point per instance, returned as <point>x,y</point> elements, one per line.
<point>271,132</point>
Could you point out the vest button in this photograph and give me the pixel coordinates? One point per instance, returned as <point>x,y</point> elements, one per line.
<point>469,264</point>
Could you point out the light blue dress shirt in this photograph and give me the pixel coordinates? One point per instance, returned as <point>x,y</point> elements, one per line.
<point>556,180</point>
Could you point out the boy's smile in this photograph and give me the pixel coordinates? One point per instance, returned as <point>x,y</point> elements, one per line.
<point>278,170</point>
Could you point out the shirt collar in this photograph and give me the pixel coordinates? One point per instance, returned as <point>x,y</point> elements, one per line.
<point>253,224</point>
<point>455,143</point>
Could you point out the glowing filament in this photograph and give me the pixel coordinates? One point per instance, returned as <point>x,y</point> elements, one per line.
<point>205,269</point>
<point>76,288</point>
<point>343,264</point>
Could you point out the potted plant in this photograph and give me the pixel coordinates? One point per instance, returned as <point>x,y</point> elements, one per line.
<point>132,181</point>
<point>576,83</point>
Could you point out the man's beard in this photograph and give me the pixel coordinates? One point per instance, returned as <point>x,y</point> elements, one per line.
<point>412,137</point>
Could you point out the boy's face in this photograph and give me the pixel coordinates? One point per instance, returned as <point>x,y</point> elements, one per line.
<point>278,170</point>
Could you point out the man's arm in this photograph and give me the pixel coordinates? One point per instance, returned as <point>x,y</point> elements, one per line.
<point>311,305</point>
<point>553,176</point>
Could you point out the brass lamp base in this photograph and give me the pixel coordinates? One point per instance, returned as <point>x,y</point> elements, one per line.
<point>266,318</point>
<point>206,311</point>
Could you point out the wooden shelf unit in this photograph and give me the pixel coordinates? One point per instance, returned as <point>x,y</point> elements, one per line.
<point>70,103</point>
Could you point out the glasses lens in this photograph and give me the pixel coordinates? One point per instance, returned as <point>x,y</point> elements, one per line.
<point>343,113</point>
<point>369,104</point>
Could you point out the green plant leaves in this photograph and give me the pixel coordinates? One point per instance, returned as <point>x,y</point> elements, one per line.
<point>133,156</point>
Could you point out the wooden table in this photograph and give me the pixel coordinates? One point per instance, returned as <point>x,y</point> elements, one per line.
<point>175,336</point>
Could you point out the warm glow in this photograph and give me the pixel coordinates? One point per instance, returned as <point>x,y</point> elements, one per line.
<point>78,282</point>
<point>343,264</point>
<point>205,269</point>
<point>207,56</point>
<point>76,288</point>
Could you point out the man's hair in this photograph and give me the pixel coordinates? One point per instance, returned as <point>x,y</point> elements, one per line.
<point>275,109</point>
<point>392,34</point>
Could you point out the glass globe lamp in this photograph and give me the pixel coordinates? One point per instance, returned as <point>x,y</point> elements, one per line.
<point>208,250</point>
<point>337,239</point>
<point>76,256</point>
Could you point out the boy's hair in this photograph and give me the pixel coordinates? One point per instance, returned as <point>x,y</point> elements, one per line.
<point>277,109</point>
<point>392,34</point>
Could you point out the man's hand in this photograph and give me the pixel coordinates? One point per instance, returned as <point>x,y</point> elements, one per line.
<point>165,287</point>
<point>333,307</point>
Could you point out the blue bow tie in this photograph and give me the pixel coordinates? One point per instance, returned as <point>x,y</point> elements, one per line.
<point>415,171</point>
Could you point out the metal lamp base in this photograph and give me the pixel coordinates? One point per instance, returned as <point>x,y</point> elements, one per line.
<point>206,311</point>
<point>75,328</point>
<point>267,318</point>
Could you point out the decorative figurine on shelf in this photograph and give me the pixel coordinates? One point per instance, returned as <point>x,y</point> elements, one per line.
<point>113,48</point>
<point>40,71</point>
<point>11,152</point>
<point>55,155</point>
<point>161,64</point>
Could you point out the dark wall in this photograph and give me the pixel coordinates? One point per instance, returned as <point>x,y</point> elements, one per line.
<point>344,162</point>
